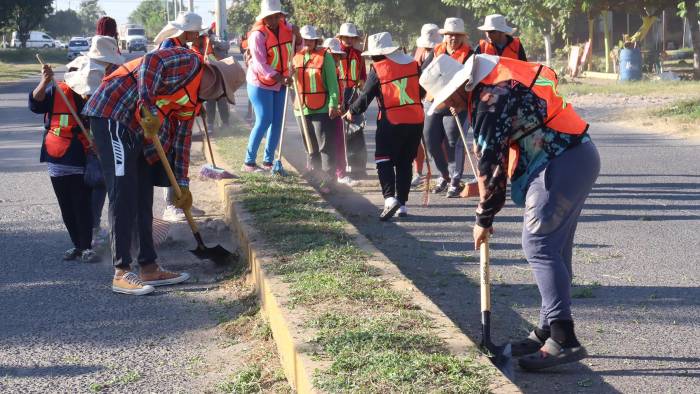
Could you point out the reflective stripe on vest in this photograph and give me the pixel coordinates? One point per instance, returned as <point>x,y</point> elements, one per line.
<point>351,67</point>
<point>309,79</point>
<point>511,50</point>
<point>400,92</point>
<point>279,48</point>
<point>60,133</point>
<point>543,82</point>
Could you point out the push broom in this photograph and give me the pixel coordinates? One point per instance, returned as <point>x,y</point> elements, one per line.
<point>211,171</point>
<point>277,168</point>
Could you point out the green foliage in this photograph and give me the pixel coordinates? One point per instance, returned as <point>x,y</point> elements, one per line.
<point>24,16</point>
<point>150,14</point>
<point>63,23</point>
<point>89,12</point>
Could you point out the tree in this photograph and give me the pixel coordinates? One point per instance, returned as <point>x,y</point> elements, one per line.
<point>26,15</point>
<point>241,15</point>
<point>150,14</point>
<point>89,12</point>
<point>689,9</point>
<point>63,23</point>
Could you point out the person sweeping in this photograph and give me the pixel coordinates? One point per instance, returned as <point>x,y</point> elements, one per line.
<point>393,81</point>
<point>499,39</point>
<point>166,83</point>
<point>525,131</point>
<point>441,127</point>
<point>316,83</point>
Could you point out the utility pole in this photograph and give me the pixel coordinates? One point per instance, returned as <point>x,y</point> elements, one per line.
<point>220,17</point>
<point>191,5</point>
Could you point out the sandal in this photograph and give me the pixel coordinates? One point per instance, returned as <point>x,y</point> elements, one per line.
<point>552,354</point>
<point>526,346</point>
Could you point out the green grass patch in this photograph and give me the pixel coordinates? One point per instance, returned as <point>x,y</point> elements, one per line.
<point>389,346</point>
<point>17,64</point>
<point>641,88</point>
<point>687,111</point>
<point>244,382</point>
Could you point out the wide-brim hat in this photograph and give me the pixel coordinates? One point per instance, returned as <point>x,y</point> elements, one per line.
<point>269,7</point>
<point>496,22</point>
<point>445,75</point>
<point>105,49</point>
<point>380,44</point>
<point>348,29</point>
<point>429,36</point>
<point>229,77</point>
<point>453,26</point>
<point>309,32</point>
<point>333,46</point>
<point>188,21</point>
<point>88,76</point>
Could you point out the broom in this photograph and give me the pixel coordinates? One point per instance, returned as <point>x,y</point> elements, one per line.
<point>277,168</point>
<point>428,174</point>
<point>211,171</point>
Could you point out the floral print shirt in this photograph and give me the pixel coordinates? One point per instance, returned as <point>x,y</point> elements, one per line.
<point>501,114</point>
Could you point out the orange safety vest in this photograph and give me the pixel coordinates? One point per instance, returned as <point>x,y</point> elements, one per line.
<point>309,79</point>
<point>400,92</point>
<point>279,48</point>
<point>350,66</point>
<point>543,82</point>
<point>461,54</point>
<point>511,50</point>
<point>184,104</point>
<point>60,133</point>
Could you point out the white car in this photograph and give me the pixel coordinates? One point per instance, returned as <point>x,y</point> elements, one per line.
<point>76,45</point>
<point>60,44</point>
<point>37,39</point>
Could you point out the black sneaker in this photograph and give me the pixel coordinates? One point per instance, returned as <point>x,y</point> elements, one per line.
<point>441,185</point>
<point>454,191</point>
<point>552,354</point>
<point>71,254</point>
<point>88,256</point>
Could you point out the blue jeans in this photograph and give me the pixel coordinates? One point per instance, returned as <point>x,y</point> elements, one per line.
<point>553,205</point>
<point>268,106</point>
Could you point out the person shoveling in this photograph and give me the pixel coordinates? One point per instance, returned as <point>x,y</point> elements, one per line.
<point>527,133</point>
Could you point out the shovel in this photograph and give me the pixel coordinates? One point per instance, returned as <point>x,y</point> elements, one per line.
<point>471,189</point>
<point>217,254</point>
<point>500,356</point>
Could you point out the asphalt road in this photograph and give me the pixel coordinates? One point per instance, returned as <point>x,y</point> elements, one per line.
<point>636,263</point>
<point>62,329</point>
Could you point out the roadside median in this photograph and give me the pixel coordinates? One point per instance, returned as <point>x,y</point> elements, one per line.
<point>343,316</point>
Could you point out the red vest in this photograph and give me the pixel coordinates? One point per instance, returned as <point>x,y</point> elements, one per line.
<point>400,92</point>
<point>461,55</point>
<point>309,79</point>
<point>279,48</point>
<point>62,125</point>
<point>543,82</point>
<point>511,50</point>
<point>350,66</point>
<point>184,104</point>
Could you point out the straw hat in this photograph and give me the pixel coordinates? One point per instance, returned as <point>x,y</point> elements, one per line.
<point>348,29</point>
<point>333,45</point>
<point>308,32</point>
<point>104,49</point>
<point>445,75</point>
<point>269,7</point>
<point>453,26</point>
<point>429,36</point>
<point>225,76</point>
<point>496,22</point>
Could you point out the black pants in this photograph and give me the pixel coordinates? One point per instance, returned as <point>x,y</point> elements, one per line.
<point>129,180</point>
<point>212,105</point>
<point>99,194</point>
<point>74,200</point>
<point>355,139</point>
<point>322,133</point>
<point>396,149</point>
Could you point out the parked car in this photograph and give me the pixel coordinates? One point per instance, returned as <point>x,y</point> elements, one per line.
<point>37,39</point>
<point>60,44</point>
<point>77,45</point>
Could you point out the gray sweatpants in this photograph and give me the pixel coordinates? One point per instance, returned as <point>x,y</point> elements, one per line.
<point>441,127</point>
<point>552,208</point>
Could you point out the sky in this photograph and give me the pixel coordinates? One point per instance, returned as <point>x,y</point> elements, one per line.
<point>120,9</point>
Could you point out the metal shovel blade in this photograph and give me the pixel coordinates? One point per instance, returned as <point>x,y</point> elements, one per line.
<point>501,357</point>
<point>218,254</point>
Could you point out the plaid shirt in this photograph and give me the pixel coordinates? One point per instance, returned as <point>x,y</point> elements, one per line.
<point>162,72</point>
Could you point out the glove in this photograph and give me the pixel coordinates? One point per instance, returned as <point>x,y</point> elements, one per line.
<point>184,202</point>
<point>149,123</point>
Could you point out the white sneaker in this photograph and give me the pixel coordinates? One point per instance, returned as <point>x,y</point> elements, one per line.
<point>403,211</point>
<point>417,180</point>
<point>346,180</point>
<point>173,214</point>
<point>391,205</point>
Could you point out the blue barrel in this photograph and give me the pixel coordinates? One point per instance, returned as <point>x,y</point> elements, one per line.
<point>630,64</point>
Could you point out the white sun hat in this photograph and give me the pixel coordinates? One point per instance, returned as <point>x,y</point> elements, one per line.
<point>445,75</point>
<point>429,36</point>
<point>381,44</point>
<point>309,32</point>
<point>453,26</point>
<point>496,22</point>
<point>269,7</point>
<point>104,49</point>
<point>88,76</point>
<point>348,29</point>
<point>188,21</point>
<point>333,45</point>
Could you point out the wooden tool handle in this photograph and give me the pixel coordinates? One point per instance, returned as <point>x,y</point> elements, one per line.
<point>286,102</point>
<point>466,146</point>
<point>304,126</point>
<point>205,129</point>
<point>485,280</point>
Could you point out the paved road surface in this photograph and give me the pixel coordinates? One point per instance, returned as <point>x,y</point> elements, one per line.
<point>637,250</point>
